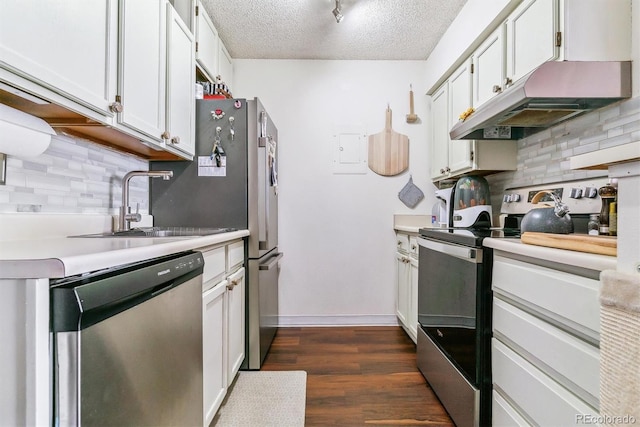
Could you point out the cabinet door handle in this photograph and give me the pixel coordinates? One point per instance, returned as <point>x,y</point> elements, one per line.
<point>175,140</point>
<point>497,89</point>
<point>230,286</point>
<point>508,82</point>
<point>441,170</point>
<point>116,107</point>
<point>447,169</point>
<point>165,135</point>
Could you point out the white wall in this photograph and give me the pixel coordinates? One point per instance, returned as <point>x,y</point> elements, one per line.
<point>336,231</point>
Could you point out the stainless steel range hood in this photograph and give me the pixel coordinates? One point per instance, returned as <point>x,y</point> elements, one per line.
<point>552,93</point>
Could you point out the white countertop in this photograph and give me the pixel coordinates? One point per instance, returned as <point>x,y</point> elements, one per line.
<point>411,223</point>
<point>68,256</point>
<point>561,256</point>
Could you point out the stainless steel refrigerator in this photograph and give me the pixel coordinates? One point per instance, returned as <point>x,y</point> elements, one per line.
<point>232,182</point>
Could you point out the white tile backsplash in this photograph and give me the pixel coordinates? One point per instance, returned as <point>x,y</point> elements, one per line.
<point>72,176</point>
<point>544,157</point>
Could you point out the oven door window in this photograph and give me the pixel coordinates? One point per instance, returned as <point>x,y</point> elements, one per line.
<point>447,296</point>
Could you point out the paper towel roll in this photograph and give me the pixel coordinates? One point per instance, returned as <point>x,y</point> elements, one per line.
<point>21,134</point>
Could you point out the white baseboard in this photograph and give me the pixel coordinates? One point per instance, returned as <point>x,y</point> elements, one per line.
<point>339,320</point>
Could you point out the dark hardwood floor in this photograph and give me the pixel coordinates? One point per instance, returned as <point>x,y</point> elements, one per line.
<point>358,376</point>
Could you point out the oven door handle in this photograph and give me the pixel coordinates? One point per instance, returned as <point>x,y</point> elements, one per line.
<point>465,253</point>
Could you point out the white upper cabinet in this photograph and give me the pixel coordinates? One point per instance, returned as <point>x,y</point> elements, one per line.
<point>69,47</point>
<point>440,132</point>
<point>488,72</point>
<point>225,65</point>
<point>212,56</point>
<point>142,71</point>
<point>459,101</point>
<point>451,158</point>
<point>532,30</point>
<point>180,102</point>
<point>538,31</point>
<point>128,65</point>
<point>186,10</point>
<point>156,76</point>
<point>207,43</point>
<point>595,30</point>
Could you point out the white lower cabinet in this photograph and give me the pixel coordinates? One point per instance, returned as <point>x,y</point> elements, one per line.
<point>413,300</point>
<point>519,380</point>
<point>545,344</point>
<point>214,361</point>
<point>236,322</point>
<point>223,316</point>
<point>403,280</point>
<point>407,284</point>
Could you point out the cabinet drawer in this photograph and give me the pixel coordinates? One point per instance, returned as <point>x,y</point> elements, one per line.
<point>535,394</point>
<point>569,299</point>
<point>236,255</point>
<point>214,264</point>
<point>503,414</point>
<point>573,359</point>
<point>402,242</point>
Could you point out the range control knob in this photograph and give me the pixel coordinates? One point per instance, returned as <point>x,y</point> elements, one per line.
<point>576,193</point>
<point>590,192</point>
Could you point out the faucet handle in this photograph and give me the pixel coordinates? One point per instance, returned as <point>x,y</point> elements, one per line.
<point>134,217</point>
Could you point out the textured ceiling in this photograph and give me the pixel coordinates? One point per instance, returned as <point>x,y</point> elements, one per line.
<point>306,29</point>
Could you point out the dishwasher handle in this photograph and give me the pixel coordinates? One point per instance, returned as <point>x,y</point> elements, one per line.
<point>473,255</point>
<point>273,261</point>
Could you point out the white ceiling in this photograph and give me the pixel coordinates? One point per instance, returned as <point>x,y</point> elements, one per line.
<point>306,29</point>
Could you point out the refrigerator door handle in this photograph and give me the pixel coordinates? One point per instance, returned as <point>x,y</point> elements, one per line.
<point>272,262</point>
<point>265,221</point>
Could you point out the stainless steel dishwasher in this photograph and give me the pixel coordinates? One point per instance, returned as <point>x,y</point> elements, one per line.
<point>127,344</point>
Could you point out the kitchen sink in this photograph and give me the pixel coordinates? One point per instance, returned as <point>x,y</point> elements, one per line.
<point>162,232</point>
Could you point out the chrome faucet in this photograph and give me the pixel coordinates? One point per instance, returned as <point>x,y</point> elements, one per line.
<point>126,217</point>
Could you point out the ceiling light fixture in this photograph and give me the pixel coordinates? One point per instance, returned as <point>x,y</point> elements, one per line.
<point>337,12</point>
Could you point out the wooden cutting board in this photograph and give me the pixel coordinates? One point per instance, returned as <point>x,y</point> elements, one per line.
<point>603,245</point>
<point>388,150</point>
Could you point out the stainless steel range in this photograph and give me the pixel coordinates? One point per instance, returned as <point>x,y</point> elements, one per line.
<point>454,321</point>
<point>455,298</point>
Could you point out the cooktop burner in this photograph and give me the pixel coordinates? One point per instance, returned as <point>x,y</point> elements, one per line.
<point>468,236</point>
